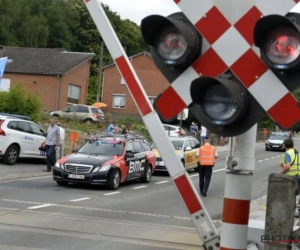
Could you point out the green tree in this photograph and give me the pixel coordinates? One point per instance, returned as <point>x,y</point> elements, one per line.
<point>20,101</point>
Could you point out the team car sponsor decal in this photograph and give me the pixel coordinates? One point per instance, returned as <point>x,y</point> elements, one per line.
<point>136,166</point>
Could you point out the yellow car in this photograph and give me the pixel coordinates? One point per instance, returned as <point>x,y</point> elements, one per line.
<point>186,149</point>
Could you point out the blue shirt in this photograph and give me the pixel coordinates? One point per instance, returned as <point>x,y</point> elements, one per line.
<point>110,129</point>
<point>192,128</point>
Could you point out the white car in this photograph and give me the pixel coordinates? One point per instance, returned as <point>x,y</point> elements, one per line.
<point>20,138</point>
<point>172,130</point>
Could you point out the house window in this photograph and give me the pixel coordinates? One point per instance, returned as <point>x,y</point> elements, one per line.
<point>119,101</point>
<point>152,99</point>
<point>73,94</point>
<point>123,81</point>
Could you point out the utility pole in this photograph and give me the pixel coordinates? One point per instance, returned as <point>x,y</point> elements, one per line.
<point>238,186</point>
<point>100,72</point>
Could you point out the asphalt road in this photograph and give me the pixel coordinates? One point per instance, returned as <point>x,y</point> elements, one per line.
<point>35,213</point>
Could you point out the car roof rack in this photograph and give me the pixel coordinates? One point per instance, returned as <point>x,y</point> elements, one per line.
<point>117,137</point>
<point>15,116</point>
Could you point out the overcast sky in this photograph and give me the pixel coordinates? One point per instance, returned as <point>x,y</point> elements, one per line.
<point>136,10</point>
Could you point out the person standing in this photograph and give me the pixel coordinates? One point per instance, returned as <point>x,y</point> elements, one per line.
<point>290,164</point>
<point>203,134</point>
<point>193,128</point>
<point>61,147</point>
<point>207,155</point>
<point>51,143</point>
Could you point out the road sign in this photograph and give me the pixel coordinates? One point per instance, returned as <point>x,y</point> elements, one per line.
<point>190,197</point>
<point>183,115</point>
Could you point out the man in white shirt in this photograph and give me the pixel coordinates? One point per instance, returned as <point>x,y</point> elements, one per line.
<point>203,134</point>
<point>61,148</point>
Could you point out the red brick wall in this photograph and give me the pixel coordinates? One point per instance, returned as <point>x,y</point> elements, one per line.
<point>151,78</point>
<point>46,86</point>
<point>79,77</point>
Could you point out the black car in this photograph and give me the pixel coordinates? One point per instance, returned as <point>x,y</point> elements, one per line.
<point>107,161</point>
<point>275,141</point>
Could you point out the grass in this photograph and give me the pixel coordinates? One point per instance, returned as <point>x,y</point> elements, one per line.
<point>82,129</point>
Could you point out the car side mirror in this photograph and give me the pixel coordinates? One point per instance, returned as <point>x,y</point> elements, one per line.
<point>74,150</point>
<point>129,154</point>
<point>188,149</point>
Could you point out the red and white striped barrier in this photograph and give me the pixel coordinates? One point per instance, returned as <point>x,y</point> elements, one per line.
<point>181,179</point>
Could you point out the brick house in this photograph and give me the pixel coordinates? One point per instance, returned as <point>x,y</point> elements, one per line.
<point>115,93</point>
<point>58,77</point>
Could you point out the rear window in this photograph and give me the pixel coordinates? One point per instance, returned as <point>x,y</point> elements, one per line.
<point>96,111</point>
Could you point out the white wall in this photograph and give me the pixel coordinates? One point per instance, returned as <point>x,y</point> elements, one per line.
<point>5,84</point>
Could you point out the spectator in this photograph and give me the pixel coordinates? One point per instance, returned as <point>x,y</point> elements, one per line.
<point>61,147</point>
<point>127,130</point>
<point>51,144</point>
<point>113,128</point>
<point>203,134</point>
<point>193,128</point>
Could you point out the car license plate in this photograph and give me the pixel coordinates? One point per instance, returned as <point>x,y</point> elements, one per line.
<point>275,146</point>
<point>75,176</point>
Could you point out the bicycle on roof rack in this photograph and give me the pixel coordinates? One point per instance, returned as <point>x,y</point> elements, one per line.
<point>121,137</point>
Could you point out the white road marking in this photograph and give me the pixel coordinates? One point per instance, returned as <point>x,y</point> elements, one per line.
<point>139,187</point>
<point>266,159</point>
<point>111,193</point>
<point>161,182</point>
<point>218,170</point>
<point>273,157</point>
<point>214,171</point>
<point>81,199</point>
<point>41,206</point>
<point>260,160</point>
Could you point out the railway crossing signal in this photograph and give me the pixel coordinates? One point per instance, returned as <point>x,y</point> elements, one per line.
<point>225,86</point>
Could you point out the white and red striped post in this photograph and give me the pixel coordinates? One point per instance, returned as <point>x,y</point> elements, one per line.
<point>238,186</point>
<point>181,179</point>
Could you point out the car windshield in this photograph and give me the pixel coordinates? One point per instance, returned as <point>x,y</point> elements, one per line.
<point>102,147</point>
<point>279,136</point>
<point>177,144</point>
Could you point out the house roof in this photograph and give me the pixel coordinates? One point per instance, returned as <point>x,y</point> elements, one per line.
<point>42,61</point>
<point>139,54</point>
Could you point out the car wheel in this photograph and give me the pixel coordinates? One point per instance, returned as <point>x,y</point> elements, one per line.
<point>114,180</point>
<point>267,149</point>
<point>11,155</point>
<point>147,175</point>
<point>88,120</point>
<point>62,183</point>
<point>56,116</point>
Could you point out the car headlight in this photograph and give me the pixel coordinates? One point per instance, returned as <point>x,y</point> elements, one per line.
<point>102,169</point>
<point>58,165</point>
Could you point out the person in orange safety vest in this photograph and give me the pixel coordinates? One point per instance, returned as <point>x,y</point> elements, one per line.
<point>207,155</point>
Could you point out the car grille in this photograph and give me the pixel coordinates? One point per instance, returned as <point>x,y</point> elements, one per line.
<point>158,159</point>
<point>78,169</point>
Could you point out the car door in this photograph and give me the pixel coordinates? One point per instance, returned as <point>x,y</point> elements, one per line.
<point>129,160</point>
<point>81,113</point>
<point>70,113</point>
<point>139,158</point>
<point>195,144</point>
<point>39,137</point>
<point>187,154</point>
<point>26,138</point>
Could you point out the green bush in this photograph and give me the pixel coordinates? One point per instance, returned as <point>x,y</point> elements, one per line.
<point>20,101</point>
